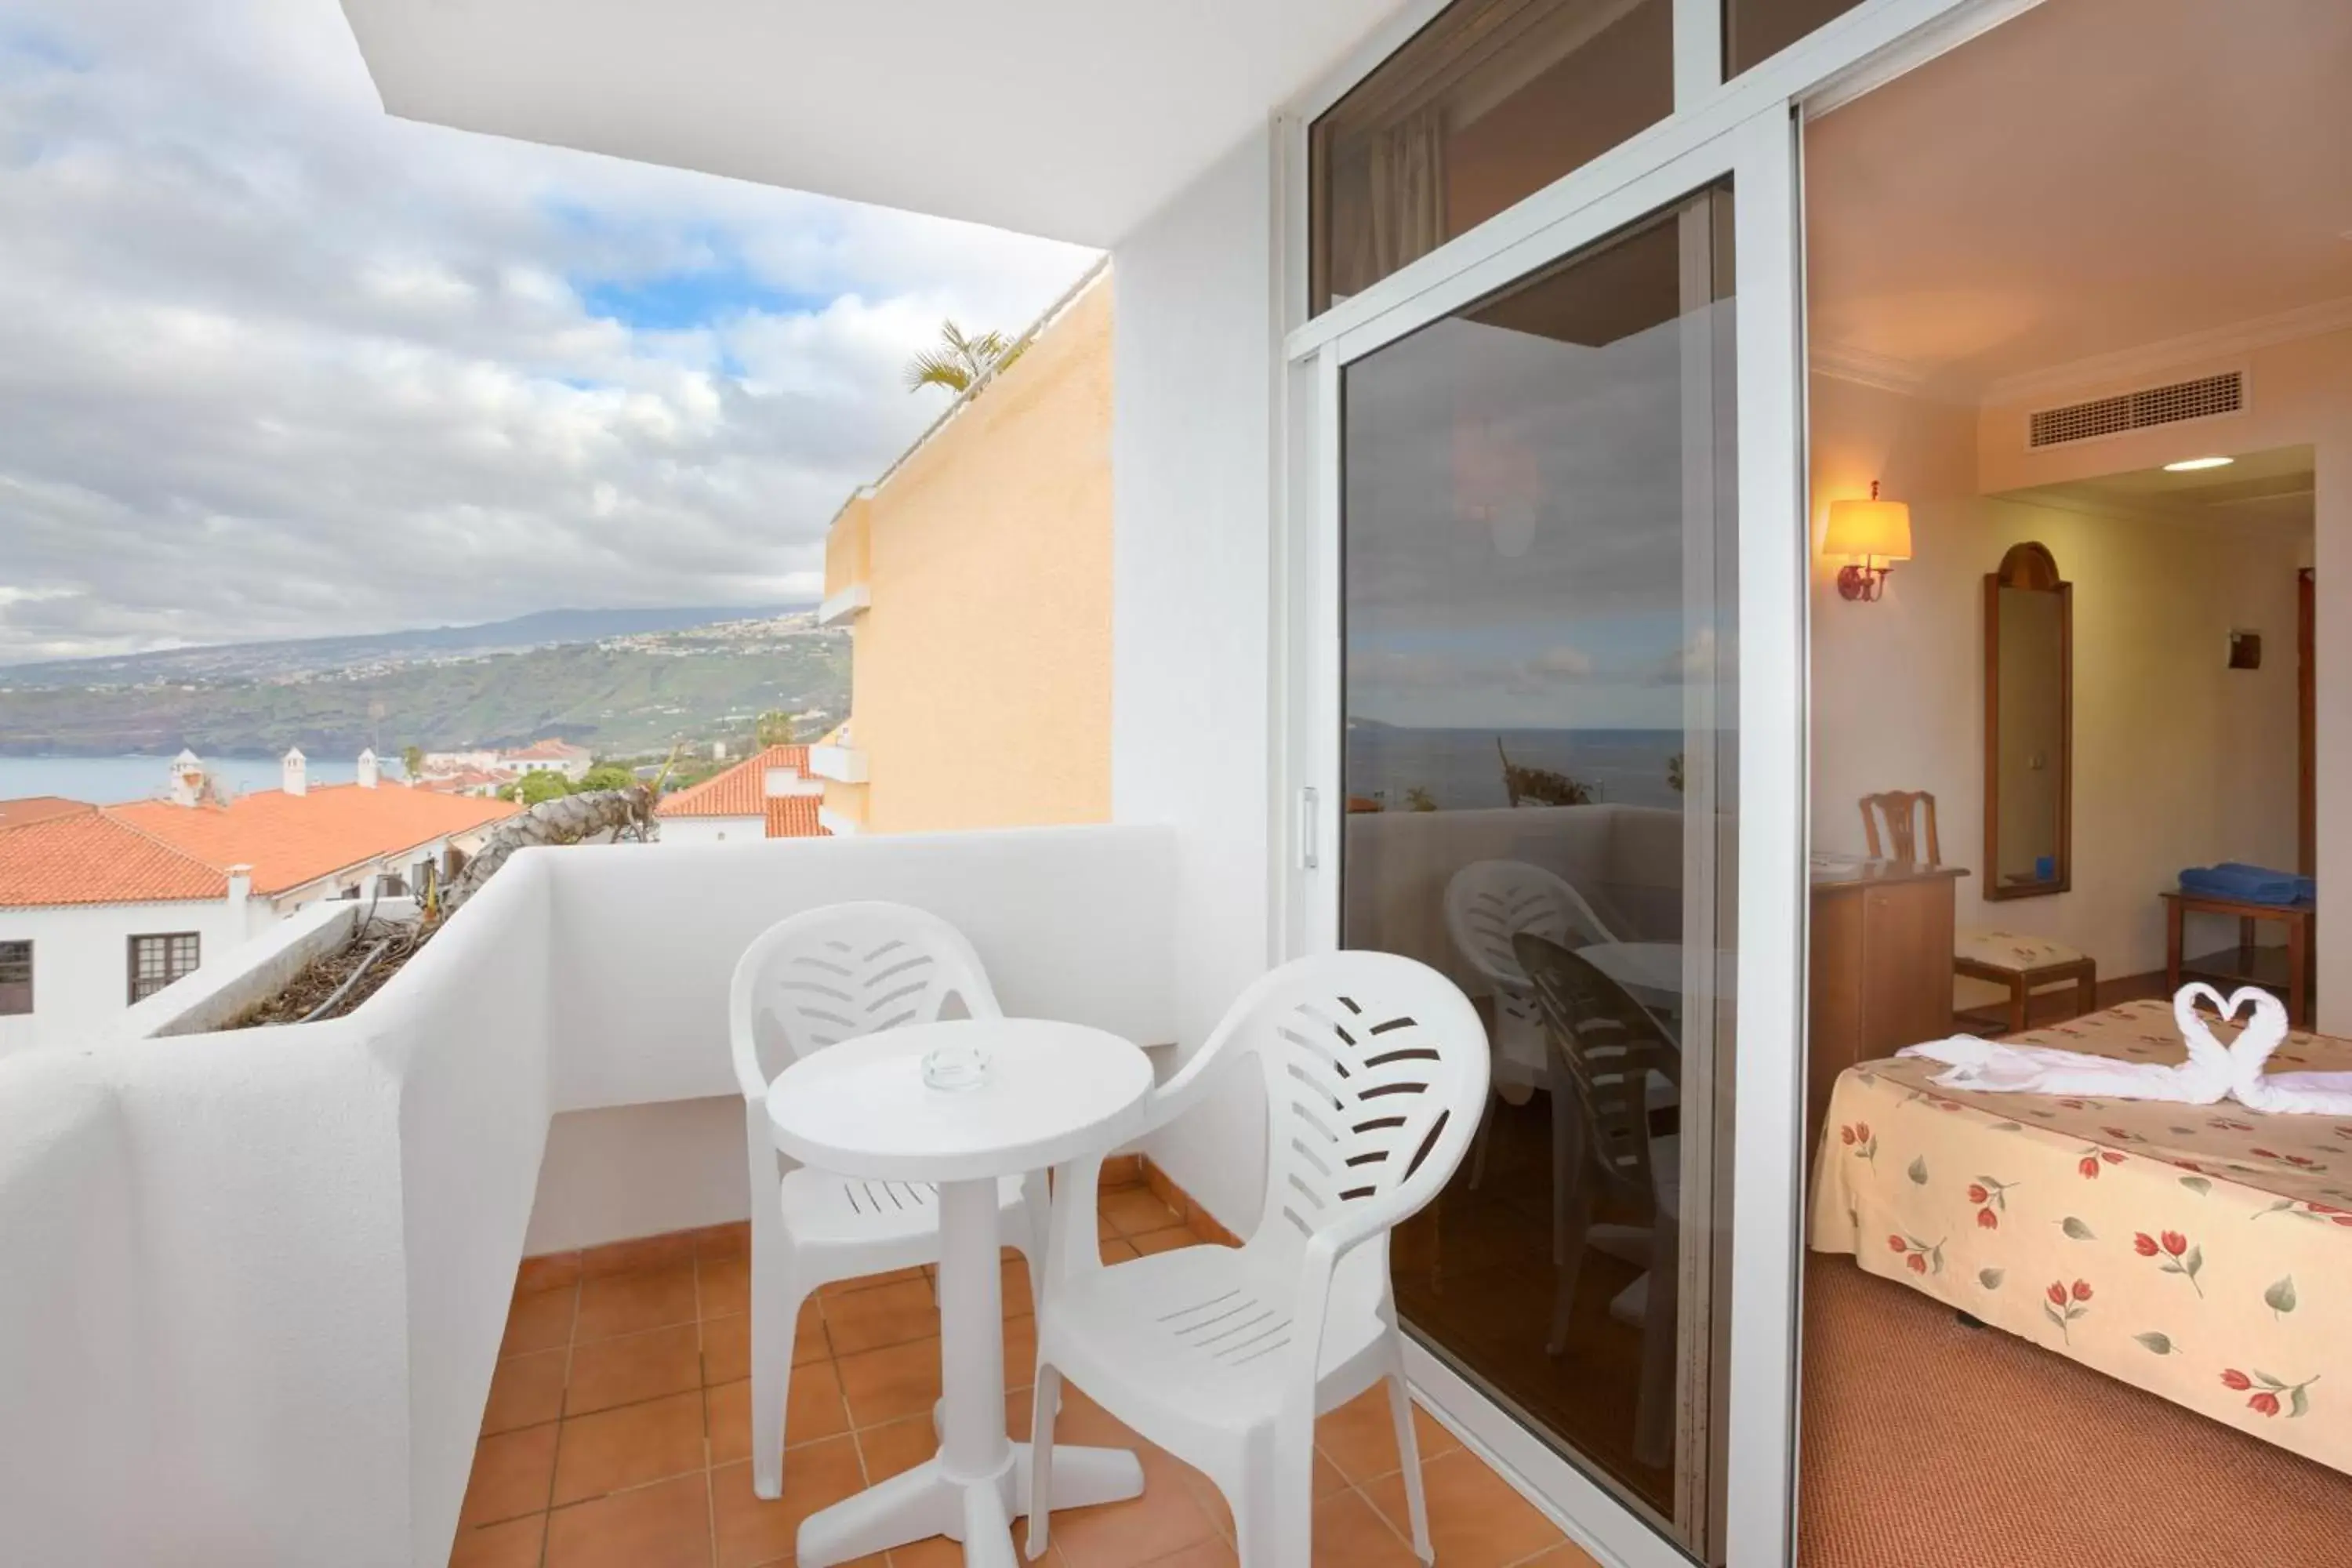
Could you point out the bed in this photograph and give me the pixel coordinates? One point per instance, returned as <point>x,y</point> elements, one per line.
<point>2203,1252</point>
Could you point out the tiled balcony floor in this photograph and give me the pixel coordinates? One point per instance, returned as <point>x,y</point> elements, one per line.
<point>618,1430</point>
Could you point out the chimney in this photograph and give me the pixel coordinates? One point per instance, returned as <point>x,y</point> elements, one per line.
<point>240,888</point>
<point>187,779</point>
<point>296,778</point>
<point>370,771</point>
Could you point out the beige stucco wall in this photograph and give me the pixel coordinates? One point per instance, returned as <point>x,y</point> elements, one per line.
<point>2178,759</point>
<point>981,681</point>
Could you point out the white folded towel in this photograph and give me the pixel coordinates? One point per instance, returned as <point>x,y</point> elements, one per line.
<point>1995,1066</point>
<point>2211,1073</point>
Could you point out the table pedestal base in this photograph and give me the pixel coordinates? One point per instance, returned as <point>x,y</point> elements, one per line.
<point>926,1501</point>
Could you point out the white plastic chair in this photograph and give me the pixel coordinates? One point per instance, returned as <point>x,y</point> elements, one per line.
<point>814,979</point>
<point>1487,903</point>
<point>1376,1069</point>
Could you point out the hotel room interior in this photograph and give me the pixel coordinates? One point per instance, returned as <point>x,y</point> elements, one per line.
<point>2079,300</point>
<point>2077,319</point>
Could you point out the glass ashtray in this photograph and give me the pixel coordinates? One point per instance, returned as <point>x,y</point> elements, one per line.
<point>955,1066</point>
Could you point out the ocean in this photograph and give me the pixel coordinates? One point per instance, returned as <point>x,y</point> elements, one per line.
<point>110,781</point>
<point>1461,771</point>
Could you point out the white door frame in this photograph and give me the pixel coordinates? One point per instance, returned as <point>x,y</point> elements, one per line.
<point>1747,129</point>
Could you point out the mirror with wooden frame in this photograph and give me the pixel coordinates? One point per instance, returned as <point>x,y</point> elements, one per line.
<point>2029,789</point>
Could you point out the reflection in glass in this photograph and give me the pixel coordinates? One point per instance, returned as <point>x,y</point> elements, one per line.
<point>1540,765</point>
<point>1491,101</point>
<point>1756,30</point>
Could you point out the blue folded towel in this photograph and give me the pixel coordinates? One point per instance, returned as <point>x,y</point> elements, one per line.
<point>2307,889</point>
<point>2248,884</point>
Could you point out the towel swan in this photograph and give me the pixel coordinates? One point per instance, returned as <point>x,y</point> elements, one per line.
<point>2211,1073</point>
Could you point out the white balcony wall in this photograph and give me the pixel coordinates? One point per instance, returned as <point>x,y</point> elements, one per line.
<point>255,1281</point>
<point>1191,612</point>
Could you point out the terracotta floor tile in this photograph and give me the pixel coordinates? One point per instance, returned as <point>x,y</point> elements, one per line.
<point>1567,1555</point>
<point>727,1345</point>
<point>1119,1249</point>
<point>1133,1210</point>
<point>1476,1519</point>
<point>885,1384</point>
<point>1020,1350</point>
<point>1327,1479</point>
<point>867,1282</point>
<point>1200,1555</point>
<point>510,1476</point>
<point>896,1446</point>
<point>1359,1437</point>
<point>548,1271</point>
<point>1018,1300</point>
<point>939,1551</point>
<point>1350,1533</point>
<point>813,1410</point>
<point>724,1285</point>
<point>616,1450</point>
<point>633,1367</point>
<point>752,1532</point>
<point>632,1303</point>
<point>525,1389</point>
<point>887,1315</point>
<point>731,1240</point>
<point>514,1544</point>
<point>1165,1519</point>
<point>665,1525</point>
<point>540,1320</point>
<point>1085,1423</point>
<point>649,1252</point>
<point>727,1414</point>
<point>1104,1229</point>
<point>1166,1239</point>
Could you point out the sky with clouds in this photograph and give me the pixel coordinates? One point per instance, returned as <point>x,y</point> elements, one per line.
<point>273,363</point>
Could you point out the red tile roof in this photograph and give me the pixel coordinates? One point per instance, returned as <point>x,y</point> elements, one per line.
<point>739,791</point>
<point>36,807</point>
<point>90,857</point>
<point>290,840</point>
<point>794,816</point>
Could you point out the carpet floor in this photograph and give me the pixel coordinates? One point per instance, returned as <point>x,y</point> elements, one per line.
<point>1928,1444</point>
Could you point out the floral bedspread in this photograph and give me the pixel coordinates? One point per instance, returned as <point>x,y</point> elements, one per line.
<point>2201,1253</point>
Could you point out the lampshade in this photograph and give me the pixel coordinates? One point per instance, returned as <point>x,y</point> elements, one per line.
<point>1866,530</point>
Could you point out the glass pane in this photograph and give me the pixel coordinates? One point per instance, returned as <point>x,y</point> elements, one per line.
<point>1756,30</point>
<point>1490,102</point>
<point>1540,764</point>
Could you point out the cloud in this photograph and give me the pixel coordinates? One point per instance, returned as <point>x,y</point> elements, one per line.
<point>274,364</point>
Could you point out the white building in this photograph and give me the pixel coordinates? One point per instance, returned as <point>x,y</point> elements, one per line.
<point>553,754</point>
<point>102,906</point>
<point>768,795</point>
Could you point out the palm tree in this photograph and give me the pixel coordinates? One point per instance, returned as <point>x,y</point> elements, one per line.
<point>959,361</point>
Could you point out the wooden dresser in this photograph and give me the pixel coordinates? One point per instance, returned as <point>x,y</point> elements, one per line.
<point>1882,966</point>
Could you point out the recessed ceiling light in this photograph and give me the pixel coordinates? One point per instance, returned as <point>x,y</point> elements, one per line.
<point>2190,465</point>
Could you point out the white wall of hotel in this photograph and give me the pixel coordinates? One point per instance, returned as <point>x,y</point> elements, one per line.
<point>261,1277</point>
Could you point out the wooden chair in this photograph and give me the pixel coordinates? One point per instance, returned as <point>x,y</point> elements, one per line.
<point>1604,1047</point>
<point>2019,964</point>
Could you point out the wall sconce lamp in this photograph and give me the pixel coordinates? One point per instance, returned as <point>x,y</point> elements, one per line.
<point>1873,535</point>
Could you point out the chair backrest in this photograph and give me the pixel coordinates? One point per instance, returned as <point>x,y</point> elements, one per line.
<point>836,974</point>
<point>1376,1073</point>
<point>1488,902</point>
<point>1605,1046</point>
<point>1903,811</point>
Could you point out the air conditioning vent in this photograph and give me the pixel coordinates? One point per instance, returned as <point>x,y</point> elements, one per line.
<point>2200,399</point>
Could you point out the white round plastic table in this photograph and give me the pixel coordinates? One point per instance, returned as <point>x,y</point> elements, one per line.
<point>1051,1092</point>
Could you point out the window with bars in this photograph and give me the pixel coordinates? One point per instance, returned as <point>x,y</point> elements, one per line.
<point>15,978</point>
<point>157,960</point>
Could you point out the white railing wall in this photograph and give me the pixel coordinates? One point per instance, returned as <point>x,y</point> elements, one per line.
<point>252,1284</point>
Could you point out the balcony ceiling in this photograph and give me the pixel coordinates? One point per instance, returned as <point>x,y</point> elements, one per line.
<point>1070,119</point>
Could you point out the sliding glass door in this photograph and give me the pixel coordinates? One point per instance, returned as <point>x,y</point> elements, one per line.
<point>1539,533</point>
<point>1545,573</point>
